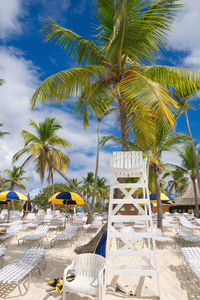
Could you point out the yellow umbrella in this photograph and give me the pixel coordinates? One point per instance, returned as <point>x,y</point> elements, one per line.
<point>11,195</point>
<point>63,198</point>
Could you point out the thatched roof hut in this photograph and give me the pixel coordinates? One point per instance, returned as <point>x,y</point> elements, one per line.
<point>186,198</point>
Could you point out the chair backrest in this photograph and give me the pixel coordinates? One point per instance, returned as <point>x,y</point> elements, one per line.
<point>88,265</point>
<point>127,160</point>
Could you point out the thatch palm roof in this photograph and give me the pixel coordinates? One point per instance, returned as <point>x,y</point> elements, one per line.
<point>187,196</point>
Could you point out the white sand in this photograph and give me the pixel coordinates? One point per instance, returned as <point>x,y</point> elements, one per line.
<point>173,281</point>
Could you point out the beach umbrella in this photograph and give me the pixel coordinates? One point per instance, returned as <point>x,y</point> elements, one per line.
<point>165,198</point>
<point>11,195</point>
<point>62,198</point>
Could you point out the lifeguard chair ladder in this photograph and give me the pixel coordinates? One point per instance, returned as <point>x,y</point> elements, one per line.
<point>135,245</point>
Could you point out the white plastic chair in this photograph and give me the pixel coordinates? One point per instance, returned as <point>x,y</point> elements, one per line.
<point>89,276</point>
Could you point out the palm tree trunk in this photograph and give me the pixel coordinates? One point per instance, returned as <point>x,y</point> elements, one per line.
<point>196,210</point>
<point>159,204</point>
<point>52,182</point>
<point>96,169</point>
<point>194,151</point>
<point>90,217</point>
<point>124,125</point>
<point>2,185</point>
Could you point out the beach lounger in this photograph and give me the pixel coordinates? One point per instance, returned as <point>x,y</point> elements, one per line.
<point>184,222</point>
<point>192,259</point>
<point>67,235</point>
<point>35,223</point>
<point>55,223</point>
<point>159,236</point>
<point>3,249</point>
<point>37,235</point>
<point>11,231</point>
<point>167,223</point>
<point>21,269</point>
<point>186,235</point>
<point>89,277</point>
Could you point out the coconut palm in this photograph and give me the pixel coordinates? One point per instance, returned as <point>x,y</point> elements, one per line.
<point>129,33</point>
<point>102,191</point>
<point>88,185</point>
<point>15,177</point>
<point>42,148</point>
<point>188,164</point>
<point>177,182</point>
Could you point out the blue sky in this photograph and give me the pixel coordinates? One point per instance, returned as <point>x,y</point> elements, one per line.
<point>25,60</point>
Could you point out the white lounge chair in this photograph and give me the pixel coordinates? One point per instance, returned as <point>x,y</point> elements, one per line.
<point>11,231</point>
<point>186,235</point>
<point>89,276</point>
<point>67,235</point>
<point>16,272</point>
<point>35,223</point>
<point>184,222</point>
<point>192,259</point>
<point>38,234</point>
<point>3,249</point>
<point>159,236</point>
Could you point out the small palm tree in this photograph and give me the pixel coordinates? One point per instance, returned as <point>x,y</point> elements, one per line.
<point>102,191</point>
<point>42,148</point>
<point>177,182</point>
<point>188,164</point>
<point>129,34</point>
<point>15,177</point>
<point>88,185</point>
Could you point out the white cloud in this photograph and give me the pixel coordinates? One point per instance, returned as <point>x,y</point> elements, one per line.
<point>10,13</point>
<point>186,33</point>
<point>21,79</point>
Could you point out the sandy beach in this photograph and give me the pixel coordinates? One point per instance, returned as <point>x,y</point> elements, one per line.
<point>173,281</point>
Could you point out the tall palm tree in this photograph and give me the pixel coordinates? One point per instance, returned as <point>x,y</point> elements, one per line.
<point>15,178</point>
<point>177,182</point>
<point>129,34</point>
<point>188,165</point>
<point>42,148</point>
<point>2,134</point>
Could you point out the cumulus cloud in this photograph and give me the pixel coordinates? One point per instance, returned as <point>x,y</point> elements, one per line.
<point>186,34</point>
<point>21,79</point>
<point>10,13</point>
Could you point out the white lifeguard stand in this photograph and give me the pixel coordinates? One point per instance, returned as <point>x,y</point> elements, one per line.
<point>136,248</point>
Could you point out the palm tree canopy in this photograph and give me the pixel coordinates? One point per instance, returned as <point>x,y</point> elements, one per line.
<point>15,178</point>
<point>43,145</point>
<point>2,133</point>
<point>187,160</point>
<point>129,33</point>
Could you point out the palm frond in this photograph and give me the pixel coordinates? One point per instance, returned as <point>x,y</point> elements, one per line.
<point>84,50</point>
<point>65,84</point>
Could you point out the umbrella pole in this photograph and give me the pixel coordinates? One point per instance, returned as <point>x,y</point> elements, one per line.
<point>8,212</point>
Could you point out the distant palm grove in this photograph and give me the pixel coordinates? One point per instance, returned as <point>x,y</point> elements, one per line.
<point>114,74</point>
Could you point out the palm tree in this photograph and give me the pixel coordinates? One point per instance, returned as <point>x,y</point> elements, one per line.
<point>15,178</point>
<point>188,165</point>
<point>102,191</point>
<point>2,134</point>
<point>129,33</point>
<point>41,148</point>
<point>178,180</point>
<point>88,186</point>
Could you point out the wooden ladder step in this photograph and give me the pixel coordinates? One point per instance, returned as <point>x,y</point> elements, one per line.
<point>128,218</point>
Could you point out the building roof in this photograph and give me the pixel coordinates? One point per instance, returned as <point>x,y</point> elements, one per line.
<point>187,196</point>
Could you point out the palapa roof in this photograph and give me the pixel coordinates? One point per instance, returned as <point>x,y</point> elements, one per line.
<point>187,195</point>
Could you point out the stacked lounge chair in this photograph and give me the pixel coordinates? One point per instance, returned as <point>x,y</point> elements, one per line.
<point>192,259</point>
<point>17,271</point>
<point>37,235</point>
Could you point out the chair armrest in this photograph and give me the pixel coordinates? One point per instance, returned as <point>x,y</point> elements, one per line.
<point>70,267</point>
